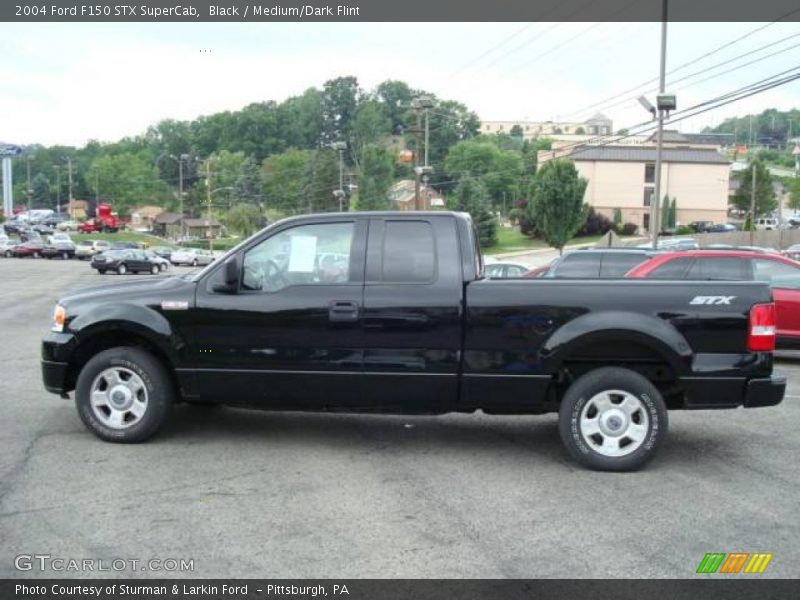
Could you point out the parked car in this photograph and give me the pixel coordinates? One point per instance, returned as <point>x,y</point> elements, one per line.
<point>163,251</point>
<point>505,270</point>
<point>781,273</point>
<point>69,225</point>
<point>14,226</point>
<point>88,248</point>
<point>596,263</point>
<point>673,244</point>
<point>42,229</point>
<point>59,248</point>
<point>721,228</point>
<point>191,256</point>
<point>32,248</point>
<point>124,261</point>
<point>413,328</point>
<point>163,263</point>
<point>766,224</point>
<point>792,252</point>
<point>701,226</point>
<point>7,246</point>
<point>56,219</point>
<point>125,246</point>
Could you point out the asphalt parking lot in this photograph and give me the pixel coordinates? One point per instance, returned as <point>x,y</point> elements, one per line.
<point>249,494</point>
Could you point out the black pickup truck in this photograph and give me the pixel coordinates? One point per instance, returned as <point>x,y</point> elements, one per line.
<point>390,312</point>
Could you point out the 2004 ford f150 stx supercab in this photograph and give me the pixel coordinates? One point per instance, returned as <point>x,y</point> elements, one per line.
<point>390,312</point>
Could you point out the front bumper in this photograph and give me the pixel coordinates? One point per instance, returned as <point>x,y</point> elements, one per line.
<point>765,392</point>
<point>56,350</point>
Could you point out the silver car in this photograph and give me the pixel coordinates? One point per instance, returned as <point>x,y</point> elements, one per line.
<point>191,256</point>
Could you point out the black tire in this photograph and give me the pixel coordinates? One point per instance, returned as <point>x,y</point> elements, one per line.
<point>156,381</point>
<point>194,262</point>
<point>154,269</point>
<point>122,269</point>
<point>653,411</point>
<point>163,267</point>
<point>64,255</point>
<point>101,271</point>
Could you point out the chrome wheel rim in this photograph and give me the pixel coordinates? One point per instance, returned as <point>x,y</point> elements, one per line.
<point>118,397</point>
<point>614,423</point>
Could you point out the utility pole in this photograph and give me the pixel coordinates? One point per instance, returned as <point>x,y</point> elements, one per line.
<point>208,202</point>
<point>753,205</point>
<point>30,189</point>
<point>69,200</point>
<point>58,188</point>
<point>655,214</point>
<point>417,170</point>
<point>339,194</point>
<point>96,187</point>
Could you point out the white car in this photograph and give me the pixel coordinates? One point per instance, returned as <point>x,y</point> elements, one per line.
<point>88,248</point>
<point>505,270</point>
<point>7,246</point>
<point>191,256</point>
<point>766,224</point>
<point>60,237</point>
<point>163,263</point>
<point>68,226</point>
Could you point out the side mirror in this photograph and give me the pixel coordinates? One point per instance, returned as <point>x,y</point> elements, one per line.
<point>231,271</point>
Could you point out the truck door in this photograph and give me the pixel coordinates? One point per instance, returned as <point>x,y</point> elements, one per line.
<point>412,314</point>
<point>291,337</point>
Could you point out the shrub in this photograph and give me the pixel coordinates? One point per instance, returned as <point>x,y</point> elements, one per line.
<point>596,224</point>
<point>684,230</point>
<point>629,229</point>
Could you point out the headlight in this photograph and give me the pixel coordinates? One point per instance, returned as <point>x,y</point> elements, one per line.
<point>59,318</point>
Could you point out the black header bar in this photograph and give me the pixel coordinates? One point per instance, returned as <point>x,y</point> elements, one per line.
<point>264,11</point>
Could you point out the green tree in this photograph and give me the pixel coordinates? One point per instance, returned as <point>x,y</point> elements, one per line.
<point>794,194</point>
<point>375,178</point>
<point>472,196</point>
<point>225,167</point>
<point>500,171</point>
<point>516,131</point>
<point>249,186</point>
<point>126,180</point>
<point>244,219</point>
<point>617,220</point>
<point>340,99</point>
<point>673,213</point>
<point>286,177</point>
<point>580,131</point>
<point>41,191</point>
<point>557,206</point>
<point>370,126</point>
<point>765,195</point>
<point>324,179</point>
<point>665,205</point>
<point>395,97</point>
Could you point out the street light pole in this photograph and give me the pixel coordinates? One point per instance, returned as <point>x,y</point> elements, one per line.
<point>339,194</point>
<point>30,189</point>
<point>69,172</point>
<point>655,214</point>
<point>58,188</point>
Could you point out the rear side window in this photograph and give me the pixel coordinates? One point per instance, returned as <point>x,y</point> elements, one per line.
<point>720,268</point>
<point>616,265</point>
<point>673,269</point>
<point>409,254</point>
<point>579,265</point>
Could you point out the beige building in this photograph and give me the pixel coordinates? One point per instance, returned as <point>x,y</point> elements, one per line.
<point>597,125</point>
<point>624,178</point>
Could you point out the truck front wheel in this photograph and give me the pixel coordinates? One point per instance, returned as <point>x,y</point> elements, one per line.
<point>123,395</point>
<point>612,419</point>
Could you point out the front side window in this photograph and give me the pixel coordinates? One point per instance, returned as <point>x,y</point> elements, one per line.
<point>673,269</point>
<point>317,254</point>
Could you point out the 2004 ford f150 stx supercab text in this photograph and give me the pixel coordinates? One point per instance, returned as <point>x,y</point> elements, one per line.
<point>389,312</point>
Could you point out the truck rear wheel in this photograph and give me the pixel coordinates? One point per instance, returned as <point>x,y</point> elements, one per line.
<point>612,419</point>
<point>123,395</point>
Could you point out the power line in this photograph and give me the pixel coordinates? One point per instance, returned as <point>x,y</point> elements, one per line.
<point>693,61</point>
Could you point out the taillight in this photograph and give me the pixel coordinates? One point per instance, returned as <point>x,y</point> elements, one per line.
<point>761,328</point>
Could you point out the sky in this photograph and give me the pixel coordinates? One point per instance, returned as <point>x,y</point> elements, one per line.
<point>64,83</point>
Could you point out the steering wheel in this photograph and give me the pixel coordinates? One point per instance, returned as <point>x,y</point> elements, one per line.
<point>274,277</point>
